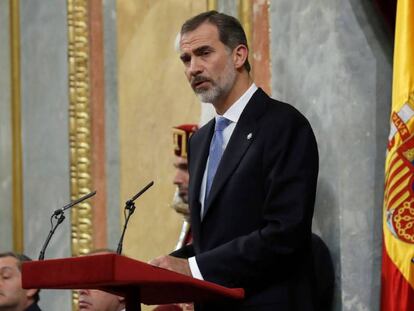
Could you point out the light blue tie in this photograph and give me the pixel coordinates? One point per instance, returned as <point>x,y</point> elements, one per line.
<point>216,151</point>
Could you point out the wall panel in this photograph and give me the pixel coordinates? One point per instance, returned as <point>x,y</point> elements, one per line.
<point>332,60</point>
<point>153,96</point>
<point>44,101</point>
<point>6,188</point>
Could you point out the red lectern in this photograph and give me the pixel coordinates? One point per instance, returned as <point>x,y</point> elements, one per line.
<point>136,281</point>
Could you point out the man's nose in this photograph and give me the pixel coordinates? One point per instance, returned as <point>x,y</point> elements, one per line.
<point>195,67</point>
<point>178,180</point>
<point>83,292</point>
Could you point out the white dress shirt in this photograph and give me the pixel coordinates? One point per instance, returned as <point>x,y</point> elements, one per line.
<point>233,114</point>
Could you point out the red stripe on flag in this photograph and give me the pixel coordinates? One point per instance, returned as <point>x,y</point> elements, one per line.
<point>394,160</point>
<point>391,179</point>
<point>391,192</point>
<point>396,292</point>
<point>397,197</point>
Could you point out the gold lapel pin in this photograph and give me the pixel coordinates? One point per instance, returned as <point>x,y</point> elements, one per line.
<point>249,136</point>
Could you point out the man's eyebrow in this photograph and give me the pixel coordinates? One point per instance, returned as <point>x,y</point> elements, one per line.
<point>181,165</point>
<point>198,51</point>
<point>202,49</point>
<point>6,268</point>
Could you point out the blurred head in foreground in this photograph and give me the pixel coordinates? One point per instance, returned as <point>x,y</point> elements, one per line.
<point>12,296</point>
<point>97,300</point>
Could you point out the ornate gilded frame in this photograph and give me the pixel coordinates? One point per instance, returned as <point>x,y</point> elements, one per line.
<point>79,124</point>
<point>79,127</point>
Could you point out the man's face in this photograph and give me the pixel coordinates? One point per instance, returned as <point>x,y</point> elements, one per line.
<point>12,295</point>
<point>96,300</point>
<point>181,177</point>
<point>209,65</point>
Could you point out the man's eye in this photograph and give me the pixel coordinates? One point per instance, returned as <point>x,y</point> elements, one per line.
<point>185,59</point>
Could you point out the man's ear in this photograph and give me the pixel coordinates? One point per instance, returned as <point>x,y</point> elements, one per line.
<point>30,293</point>
<point>240,54</point>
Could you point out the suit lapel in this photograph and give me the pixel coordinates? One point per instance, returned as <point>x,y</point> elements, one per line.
<point>201,150</point>
<point>242,137</point>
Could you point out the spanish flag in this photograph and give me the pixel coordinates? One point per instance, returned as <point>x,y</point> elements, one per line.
<point>397,277</point>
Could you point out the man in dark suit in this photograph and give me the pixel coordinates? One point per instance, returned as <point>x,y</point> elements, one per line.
<point>253,174</point>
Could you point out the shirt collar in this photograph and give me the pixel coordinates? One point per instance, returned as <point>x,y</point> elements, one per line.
<point>235,110</point>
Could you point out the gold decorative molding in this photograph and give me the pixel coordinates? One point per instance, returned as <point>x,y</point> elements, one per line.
<point>211,5</point>
<point>79,128</point>
<point>18,240</point>
<point>245,17</point>
<point>79,124</point>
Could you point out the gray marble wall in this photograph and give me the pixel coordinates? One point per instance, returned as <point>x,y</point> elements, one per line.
<point>45,102</point>
<point>332,59</point>
<point>228,7</point>
<point>111,123</point>
<point>6,241</point>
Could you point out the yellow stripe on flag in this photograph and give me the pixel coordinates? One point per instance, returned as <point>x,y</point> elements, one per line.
<point>391,183</point>
<point>403,197</point>
<point>397,177</point>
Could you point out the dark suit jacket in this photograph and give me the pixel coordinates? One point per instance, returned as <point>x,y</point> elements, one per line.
<point>33,307</point>
<point>256,232</point>
<point>324,274</point>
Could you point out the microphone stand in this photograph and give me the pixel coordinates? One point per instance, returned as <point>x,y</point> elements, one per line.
<point>130,208</point>
<point>60,218</point>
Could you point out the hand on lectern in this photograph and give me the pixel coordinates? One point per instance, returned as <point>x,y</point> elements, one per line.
<point>179,265</point>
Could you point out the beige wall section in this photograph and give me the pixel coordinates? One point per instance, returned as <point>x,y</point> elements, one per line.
<point>153,96</point>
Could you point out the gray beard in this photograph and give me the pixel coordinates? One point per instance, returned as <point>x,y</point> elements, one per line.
<point>210,95</point>
<point>219,90</point>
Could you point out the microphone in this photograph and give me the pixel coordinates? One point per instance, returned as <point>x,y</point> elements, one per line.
<point>130,207</point>
<point>59,215</point>
<point>130,203</point>
<point>85,197</point>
